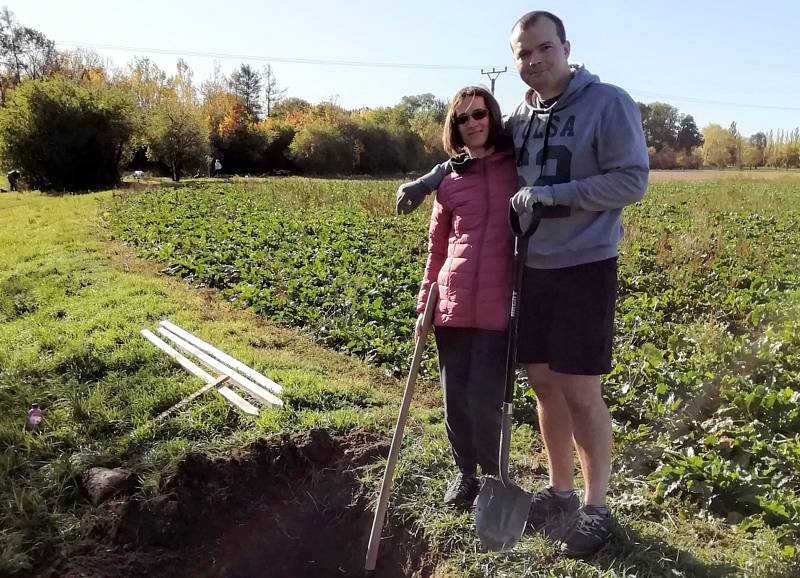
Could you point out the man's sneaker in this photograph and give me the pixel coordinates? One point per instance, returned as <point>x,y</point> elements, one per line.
<point>591,530</point>
<point>462,491</point>
<point>551,514</point>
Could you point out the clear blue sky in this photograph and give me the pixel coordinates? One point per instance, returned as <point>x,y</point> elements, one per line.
<point>695,55</point>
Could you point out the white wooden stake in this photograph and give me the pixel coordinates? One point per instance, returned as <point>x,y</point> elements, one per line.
<point>226,392</point>
<point>187,400</point>
<point>223,357</point>
<point>255,390</point>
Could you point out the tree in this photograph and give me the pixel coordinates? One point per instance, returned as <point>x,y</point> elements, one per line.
<point>183,83</point>
<point>752,156</point>
<point>272,94</point>
<point>217,83</point>
<point>660,122</point>
<point>82,64</point>
<point>689,135</point>
<point>759,140</point>
<point>66,135</point>
<point>176,134</point>
<point>325,146</point>
<point>242,144</point>
<point>246,84</point>
<point>717,143</point>
<point>291,108</point>
<point>735,146</point>
<point>427,118</point>
<point>25,53</point>
<point>425,104</point>
<point>146,81</point>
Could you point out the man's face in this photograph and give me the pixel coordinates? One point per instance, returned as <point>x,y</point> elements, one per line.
<point>541,57</point>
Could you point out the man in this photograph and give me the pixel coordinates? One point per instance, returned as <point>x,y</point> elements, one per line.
<point>581,153</point>
<point>13,178</point>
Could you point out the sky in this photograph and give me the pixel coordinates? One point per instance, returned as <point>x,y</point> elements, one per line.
<point>720,61</point>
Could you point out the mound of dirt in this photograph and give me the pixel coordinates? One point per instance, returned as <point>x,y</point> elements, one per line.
<point>286,507</point>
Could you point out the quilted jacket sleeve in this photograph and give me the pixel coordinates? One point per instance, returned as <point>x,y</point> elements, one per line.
<point>438,235</point>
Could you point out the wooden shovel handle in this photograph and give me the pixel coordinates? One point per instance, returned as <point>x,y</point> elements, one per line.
<point>397,439</point>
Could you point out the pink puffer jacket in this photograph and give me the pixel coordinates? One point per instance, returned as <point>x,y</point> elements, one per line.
<point>471,246</point>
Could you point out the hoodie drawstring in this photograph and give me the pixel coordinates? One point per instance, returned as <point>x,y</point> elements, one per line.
<point>524,147</point>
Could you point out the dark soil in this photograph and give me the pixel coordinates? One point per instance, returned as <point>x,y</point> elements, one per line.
<point>286,507</point>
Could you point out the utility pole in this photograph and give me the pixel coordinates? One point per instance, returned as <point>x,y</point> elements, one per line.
<point>494,72</point>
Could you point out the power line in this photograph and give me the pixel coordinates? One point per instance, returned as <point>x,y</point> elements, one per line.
<point>714,102</point>
<point>369,64</point>
<point>365,64</point>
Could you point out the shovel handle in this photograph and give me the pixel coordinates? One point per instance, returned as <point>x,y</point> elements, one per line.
<point>397,439</point>
<point>516,225</point>
<point>521,237</point>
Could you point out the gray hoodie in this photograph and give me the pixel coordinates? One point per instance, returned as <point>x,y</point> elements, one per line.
<point>589,149</point>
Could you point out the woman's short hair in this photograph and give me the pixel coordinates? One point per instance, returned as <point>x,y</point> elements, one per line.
<point>451,138</point>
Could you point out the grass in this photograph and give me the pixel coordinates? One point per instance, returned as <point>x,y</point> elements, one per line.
<point>72,304</point>
<point>72,301</point>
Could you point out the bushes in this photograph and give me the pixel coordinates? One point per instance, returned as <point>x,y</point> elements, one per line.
<point>68,134</point>
<point>65,134</point>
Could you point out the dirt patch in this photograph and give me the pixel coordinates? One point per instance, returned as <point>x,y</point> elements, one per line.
<point>284,507</point>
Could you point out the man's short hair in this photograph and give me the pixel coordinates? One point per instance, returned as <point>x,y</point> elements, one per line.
<point>531,18</point>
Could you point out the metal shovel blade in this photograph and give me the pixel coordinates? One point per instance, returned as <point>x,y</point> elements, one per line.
<point>501,513</point>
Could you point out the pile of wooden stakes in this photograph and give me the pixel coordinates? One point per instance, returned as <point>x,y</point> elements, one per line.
<point>229,370</point>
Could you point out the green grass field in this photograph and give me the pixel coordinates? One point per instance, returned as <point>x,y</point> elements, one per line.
<point>704,392</point>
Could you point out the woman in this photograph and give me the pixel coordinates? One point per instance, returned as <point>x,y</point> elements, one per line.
<point>469,256</point>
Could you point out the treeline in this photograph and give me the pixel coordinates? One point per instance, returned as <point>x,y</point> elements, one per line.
<point>69,120</point>
<point>674,142</point>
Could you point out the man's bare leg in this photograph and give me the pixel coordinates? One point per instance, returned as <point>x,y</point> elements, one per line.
<point>591,423</point>
<point>555,422</point>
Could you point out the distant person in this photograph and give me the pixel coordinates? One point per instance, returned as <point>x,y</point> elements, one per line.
<point>580,152</point>
<point>217,167</point>
<point>469,257</point>
<point>13,179</point>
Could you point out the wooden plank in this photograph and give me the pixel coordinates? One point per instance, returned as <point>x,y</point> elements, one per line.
<point>228,360</point>
<point>254,389</point>
<point>194,369</point>
<point>189,366</point>
<point>238,400</point>
<point>189,399</point>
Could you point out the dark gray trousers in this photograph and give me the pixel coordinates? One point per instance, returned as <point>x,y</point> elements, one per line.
<point>472,366</point>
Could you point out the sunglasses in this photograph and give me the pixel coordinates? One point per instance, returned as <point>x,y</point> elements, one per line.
<point>477,114</point>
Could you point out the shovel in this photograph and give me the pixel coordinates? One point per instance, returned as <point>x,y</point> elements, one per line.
<point>501,511</point>
<point>397,439</point>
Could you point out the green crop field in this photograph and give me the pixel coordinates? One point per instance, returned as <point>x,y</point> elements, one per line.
<point>704,393</point>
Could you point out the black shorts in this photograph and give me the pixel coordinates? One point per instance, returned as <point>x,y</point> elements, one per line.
<point>566,317</point>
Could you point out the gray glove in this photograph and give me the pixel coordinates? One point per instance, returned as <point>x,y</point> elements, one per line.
<point>410,195</point>
<point>524,199</point>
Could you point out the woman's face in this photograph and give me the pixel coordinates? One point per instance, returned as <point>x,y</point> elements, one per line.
<point>472,119</point>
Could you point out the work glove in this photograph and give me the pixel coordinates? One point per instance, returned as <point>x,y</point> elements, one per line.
<point>410,196</point>
<point>524,199</point>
